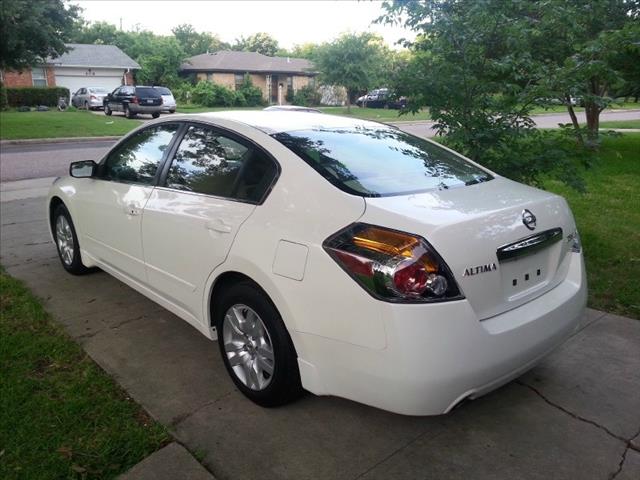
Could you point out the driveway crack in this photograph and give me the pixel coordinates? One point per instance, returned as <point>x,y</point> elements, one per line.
<point>571,414</point>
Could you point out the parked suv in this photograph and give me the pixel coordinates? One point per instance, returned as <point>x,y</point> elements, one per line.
<point>133,100</point>
<point>381,98</point>
<point>168,100</point>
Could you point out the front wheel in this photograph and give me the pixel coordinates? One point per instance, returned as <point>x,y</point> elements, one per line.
<point>66,240</point>
<point>255,346</point>
<point>107,110</point>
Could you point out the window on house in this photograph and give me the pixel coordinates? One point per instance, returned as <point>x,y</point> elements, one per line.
<point>290,89</point>
<point>239,80</point>
<point>209,77</point>
<point>39,77</point>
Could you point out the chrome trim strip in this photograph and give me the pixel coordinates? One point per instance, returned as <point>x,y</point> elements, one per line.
<point>529,245</point>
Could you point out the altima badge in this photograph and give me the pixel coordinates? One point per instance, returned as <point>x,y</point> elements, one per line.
<point>470,271</point>
<point>529,219</point>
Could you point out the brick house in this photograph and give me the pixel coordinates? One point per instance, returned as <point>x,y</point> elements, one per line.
<point>82,66</point>
<point>275,76</point>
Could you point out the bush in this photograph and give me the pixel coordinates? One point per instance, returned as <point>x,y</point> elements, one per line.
<point>34,96</point>
<point>307,96</point>
<point>210,94</point>
<point>3,97</point>
<point>248,94</point>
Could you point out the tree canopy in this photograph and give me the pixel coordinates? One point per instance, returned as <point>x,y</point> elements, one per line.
<point>32,31</point>
<point>260,42</point>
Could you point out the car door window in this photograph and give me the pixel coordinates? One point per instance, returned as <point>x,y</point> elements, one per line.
<point>136,160</point>
<point>211,163</point>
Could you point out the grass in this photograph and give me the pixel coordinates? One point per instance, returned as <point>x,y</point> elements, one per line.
<point>54,124</point>
<point>608,220</point>
<point>621,124</point>
<point>563,108</point>
<point>199,109</point>
<point>61,416</point>
<point>377,114</point>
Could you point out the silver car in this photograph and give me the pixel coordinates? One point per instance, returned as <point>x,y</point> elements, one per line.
<point>168,101</point>
<point>89,98</point>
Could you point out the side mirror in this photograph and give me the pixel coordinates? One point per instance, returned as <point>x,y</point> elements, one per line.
<point>83,169</point>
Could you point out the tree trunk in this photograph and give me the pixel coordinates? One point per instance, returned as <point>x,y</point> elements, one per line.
<point>592,112</point>
<point>348,100</point>
<point>574,121</point>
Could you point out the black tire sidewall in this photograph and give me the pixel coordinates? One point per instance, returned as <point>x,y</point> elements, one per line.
<point>155,115</point>
<point>76,267</point>
<point>127,112</point>
<point>285,382</point>
<point>107,110</point>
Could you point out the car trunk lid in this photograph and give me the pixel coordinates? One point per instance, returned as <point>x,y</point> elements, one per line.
<point>498,262</point>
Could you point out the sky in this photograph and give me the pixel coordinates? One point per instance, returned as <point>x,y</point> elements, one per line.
<point>289,22</point>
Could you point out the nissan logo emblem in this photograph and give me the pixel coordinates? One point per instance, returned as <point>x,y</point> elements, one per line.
<point>529,219</point>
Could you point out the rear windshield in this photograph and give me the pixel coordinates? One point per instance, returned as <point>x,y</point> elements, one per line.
<point>380,162</point>
<point>147,92</point>
<point>98,90</point>
<point>163,90</point>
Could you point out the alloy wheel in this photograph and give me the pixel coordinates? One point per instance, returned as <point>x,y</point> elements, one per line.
<point>64,239</point>
<point>248,347</point>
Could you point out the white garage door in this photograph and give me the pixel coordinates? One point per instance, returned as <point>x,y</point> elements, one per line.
<point>74,80</point>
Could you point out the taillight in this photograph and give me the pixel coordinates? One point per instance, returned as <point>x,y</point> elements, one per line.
<point>93,97</point>
<point>135,100</point>
<point>391,265</point>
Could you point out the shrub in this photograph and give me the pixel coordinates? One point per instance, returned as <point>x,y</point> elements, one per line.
<point>34,96</point>
<point>210,94</point>
<point>248,94</point>
<point>3,97</point>
<point>307,96</point>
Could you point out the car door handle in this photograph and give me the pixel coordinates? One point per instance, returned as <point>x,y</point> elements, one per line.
<point>218,225</point>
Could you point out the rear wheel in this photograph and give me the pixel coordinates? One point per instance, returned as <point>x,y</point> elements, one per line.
<point>255,346</point>
<point>86,105</point>
<point>155,115</point>
<point>66,239</point>
<point>107,110</point>
<point>128,113</point>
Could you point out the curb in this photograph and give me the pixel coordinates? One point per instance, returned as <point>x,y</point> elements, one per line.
<point>35,141</point>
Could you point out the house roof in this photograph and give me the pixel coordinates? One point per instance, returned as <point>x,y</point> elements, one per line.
<point>229,61</point>
<point>93,56</point>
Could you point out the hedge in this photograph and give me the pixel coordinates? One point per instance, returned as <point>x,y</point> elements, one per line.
<point>34,96</point>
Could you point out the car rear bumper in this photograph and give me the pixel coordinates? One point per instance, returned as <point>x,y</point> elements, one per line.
<point>137,108</point>
<point>440,354</point>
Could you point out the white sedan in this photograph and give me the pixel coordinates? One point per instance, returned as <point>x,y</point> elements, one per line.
<point>335,255</point>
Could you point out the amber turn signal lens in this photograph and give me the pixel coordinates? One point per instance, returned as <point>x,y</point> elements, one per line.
<point>386,241</point>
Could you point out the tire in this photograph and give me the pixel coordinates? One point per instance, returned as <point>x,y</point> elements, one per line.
<point>127,112</point>
<point>248,346</point>
<point>64,234</point>
<point>107,110</point>
<point>172,111</point>
<point>155,115</point>
<point>86,106</point>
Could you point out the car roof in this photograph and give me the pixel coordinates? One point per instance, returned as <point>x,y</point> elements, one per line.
<point>277,121</point>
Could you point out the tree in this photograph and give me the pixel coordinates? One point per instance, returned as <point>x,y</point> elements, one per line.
<point>32,31</point>
<point>161,62</point>
<point>585,50</point>
<point>194,43</point>
<point>354,61</point>
<point>473,67</point>
<point>260,42</point>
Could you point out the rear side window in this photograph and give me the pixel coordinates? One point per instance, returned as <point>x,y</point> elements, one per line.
<point>211,163</point>
<point>136,160</point>
<point>163,90</point>
<point>147,92</point>
<point>380,162</point>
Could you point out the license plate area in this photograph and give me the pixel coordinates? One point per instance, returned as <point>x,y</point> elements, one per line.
<point>523,276</point>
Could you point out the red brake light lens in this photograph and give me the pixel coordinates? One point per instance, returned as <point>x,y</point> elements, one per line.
<point>391,265</point>
<point>135,100</point>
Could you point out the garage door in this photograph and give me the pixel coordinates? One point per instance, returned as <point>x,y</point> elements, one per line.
<point>74,83</point>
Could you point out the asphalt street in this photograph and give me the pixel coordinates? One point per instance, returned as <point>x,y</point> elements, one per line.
<point>19,162</point>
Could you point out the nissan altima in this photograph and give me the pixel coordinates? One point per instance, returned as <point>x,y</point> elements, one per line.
<point>328,254</point>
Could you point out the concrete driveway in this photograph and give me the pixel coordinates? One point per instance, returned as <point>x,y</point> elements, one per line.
<point>575,416</point>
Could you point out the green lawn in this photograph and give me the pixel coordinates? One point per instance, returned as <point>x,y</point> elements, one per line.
<point>61,416</point>
<point>376,114</point>
<point>621,124</point>
<point>563,109</point>
<point>608,220</point>
<point>200,109</point>
<point>55,124</point>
